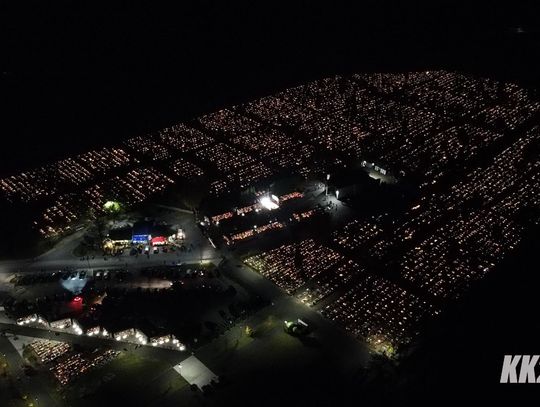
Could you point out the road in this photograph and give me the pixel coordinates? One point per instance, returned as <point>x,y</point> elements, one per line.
<point>338,346</point>
<point>349,350</point>
<point>174,208</point>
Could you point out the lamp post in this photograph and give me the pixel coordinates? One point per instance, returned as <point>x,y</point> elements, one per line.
<point>201,252</point>
<point>326,186</point>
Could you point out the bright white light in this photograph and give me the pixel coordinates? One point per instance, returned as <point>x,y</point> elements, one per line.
<point>269,202</point>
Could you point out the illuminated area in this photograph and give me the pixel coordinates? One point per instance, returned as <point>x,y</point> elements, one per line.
<point>269,202</point>
<point>158,241</point>
<point>74,283</point>
<point>112,207</point>
<point>327,233</point>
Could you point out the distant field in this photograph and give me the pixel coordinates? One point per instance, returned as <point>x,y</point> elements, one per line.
<point>128,380</point>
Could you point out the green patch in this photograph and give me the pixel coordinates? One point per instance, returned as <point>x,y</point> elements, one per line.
<point>128,379</point>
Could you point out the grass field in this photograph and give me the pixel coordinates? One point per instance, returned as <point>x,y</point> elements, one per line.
<point>130,379</point>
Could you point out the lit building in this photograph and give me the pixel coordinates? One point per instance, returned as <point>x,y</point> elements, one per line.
<point>269,202</point>
<point>141,233</point>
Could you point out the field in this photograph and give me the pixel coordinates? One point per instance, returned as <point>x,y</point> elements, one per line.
<point>130,379</point>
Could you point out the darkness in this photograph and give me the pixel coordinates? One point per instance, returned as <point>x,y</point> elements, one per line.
<point>76,76</point>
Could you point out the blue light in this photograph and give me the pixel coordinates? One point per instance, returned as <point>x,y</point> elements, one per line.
<point>140,238</point>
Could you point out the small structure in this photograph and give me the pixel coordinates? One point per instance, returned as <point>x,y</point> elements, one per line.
<point>33,320</point>
<point>131,335</point>
<point>141,233</point>
<point>195,372</point>
<point>167,341</point>
<point>149,232</point>
<point>298,328</point>
<point>68,325</point>
<point>269,202</point>
<point>120,236</point>
<point>180,234</point>
<point>98,331</point>
<point>159,241</point>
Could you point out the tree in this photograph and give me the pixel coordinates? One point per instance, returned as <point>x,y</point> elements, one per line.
<point>113,209</point>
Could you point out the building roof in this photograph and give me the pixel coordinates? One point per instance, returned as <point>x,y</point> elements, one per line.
<point>120,234</point>
<point>159,239</point>
<point>142,227</point>
<point>195,372</point>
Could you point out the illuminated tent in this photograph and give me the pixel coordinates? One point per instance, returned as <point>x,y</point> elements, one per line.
<point>159,241</point>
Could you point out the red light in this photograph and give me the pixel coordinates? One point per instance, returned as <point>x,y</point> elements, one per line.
<point>77,299</point>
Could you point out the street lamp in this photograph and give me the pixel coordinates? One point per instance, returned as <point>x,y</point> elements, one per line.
<point>326,186</point>
<point>201,252</point>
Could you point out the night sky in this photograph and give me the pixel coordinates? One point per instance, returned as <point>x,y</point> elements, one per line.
<point>79,76</point>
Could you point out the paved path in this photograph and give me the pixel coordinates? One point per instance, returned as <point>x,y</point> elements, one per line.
<point>174,208</point>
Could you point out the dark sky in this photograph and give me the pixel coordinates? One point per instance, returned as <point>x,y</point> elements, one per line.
<point>77,76</point>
